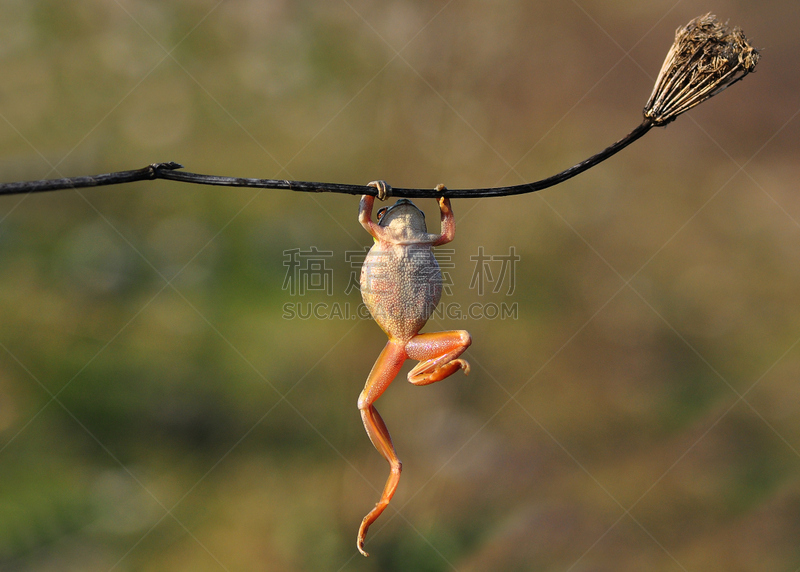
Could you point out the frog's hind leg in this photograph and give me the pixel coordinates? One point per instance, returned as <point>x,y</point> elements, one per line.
<point>383,372</point>
<point>437,353</point>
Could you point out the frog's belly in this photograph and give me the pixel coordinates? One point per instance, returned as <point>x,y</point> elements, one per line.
<point>401,287</point>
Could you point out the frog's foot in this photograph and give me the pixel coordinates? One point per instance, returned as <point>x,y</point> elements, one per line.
<point>431,373</point>
<point>384,189</point>
<point>437,353</point>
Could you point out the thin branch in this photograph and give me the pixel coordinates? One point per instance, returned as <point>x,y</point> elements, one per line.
<point>705,58</point>
<point>309,187</point>
<point>147,173</point>
<point>169,172</point>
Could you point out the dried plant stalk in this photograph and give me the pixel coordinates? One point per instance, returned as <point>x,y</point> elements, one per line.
<point>706,58</point>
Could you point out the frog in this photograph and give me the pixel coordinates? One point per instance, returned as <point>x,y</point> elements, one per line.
<point>401,285</point>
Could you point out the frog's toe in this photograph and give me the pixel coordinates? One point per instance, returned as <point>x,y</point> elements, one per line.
<point>384,189</point>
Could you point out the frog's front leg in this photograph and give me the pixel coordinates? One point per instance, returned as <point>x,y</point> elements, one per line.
<point>383,373</point>
<point>437,353</point>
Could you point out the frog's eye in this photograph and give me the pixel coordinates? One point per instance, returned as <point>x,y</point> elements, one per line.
<point>381,212</point>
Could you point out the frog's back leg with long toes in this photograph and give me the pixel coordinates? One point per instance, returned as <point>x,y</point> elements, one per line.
<point>383,373</point>
<point>437,353</point>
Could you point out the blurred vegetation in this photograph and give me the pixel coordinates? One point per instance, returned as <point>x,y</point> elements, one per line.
<point>158,412</point>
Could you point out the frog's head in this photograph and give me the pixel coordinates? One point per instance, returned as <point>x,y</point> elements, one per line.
<point>403,215</point>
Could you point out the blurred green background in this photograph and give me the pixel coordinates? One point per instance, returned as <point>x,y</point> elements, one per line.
<point>159,412</point>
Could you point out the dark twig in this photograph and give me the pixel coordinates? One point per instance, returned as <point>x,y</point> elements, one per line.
<point>410,193</point>
<point>706,58</point>
<point>168,171</point>
<point>154,171</point>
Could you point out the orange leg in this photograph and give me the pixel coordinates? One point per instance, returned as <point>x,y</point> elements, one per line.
<point>437,353</point>
<point>383,372</point>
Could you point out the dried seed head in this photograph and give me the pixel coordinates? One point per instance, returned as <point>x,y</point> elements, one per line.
<point>705,58</point>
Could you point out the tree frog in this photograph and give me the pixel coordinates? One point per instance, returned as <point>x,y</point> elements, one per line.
<point>401,284</point>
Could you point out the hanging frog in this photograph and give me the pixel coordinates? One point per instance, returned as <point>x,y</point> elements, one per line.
<point>401,284</point>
